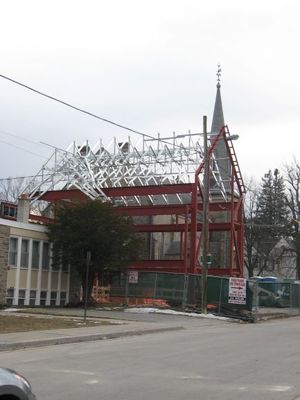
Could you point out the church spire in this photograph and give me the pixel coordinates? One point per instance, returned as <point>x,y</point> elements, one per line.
<point>219,76</point>
<point>218,117</point>
<point>220,151</point>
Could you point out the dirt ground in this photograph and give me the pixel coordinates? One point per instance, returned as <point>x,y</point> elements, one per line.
<point>21,323</point>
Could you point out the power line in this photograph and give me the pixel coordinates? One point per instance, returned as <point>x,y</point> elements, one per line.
<point>73,107</point>
<point>21,148</point>
<point>18,137</point>
<point>87,112</point>
<point>21,177</point>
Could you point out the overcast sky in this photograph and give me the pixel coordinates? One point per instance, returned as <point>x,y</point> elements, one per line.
<point>150,65</point>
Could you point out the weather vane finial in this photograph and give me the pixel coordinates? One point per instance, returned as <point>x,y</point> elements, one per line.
<point>219,75</point>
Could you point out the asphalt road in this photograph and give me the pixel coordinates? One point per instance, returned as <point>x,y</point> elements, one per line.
<point>209,360</point>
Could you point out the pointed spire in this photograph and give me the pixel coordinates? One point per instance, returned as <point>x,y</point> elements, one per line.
<point>220,152</point>
<point>218,117</point>
<point>219,75</point>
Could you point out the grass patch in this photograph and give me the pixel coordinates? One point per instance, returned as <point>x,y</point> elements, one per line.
<point>20,323</point>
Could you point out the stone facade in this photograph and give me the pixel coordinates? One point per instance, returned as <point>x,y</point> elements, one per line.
<point>4,238</point>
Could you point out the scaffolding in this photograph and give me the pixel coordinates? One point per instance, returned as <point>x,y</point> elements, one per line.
<point>159,182</point>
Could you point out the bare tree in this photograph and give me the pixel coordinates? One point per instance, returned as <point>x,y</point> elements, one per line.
<point>11,188</point>
<point>292,176</point>
<point>251,259</point>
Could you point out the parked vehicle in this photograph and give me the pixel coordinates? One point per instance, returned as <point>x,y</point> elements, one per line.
<point>14,386</point>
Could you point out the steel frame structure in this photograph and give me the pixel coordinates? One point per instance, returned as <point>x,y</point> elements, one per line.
<point>153,178</point>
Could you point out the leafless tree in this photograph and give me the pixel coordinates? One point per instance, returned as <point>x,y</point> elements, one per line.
<point>251,254</point>
<point>11,188</point>
<point>292,177</point>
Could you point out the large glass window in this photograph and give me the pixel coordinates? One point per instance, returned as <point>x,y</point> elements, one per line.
<point>24,253</point>
<point>46,256</point>
<point>32,297</point>
<point>10,296</point>
<point>53,298</point>
<point>43,297</point>
<point>13,251</point>
<point>35,254</point>
<point>21,300</point>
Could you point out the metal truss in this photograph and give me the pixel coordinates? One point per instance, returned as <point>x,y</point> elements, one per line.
<point>162,181</point>
<point>125,163</point>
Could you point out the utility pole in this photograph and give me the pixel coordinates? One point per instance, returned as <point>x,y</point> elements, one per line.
<point>205,219</point>
<point>88,260</point>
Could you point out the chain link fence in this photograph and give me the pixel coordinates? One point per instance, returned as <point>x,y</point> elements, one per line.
<point>182,291</point>
<point>281,298</point>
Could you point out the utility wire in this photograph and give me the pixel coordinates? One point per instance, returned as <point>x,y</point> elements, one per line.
<point>18,137</point>
<point>82,111</point>
<point>21,148</point>
<point>73,107</point>
<point>21,177</point>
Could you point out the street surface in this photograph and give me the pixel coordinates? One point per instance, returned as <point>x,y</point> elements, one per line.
<point>208,360</point>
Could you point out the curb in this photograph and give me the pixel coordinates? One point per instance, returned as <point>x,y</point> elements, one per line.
<point>85,338</point>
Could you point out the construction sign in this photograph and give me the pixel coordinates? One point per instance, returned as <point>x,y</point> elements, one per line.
<point>133,276</point>
<point>237,291</point>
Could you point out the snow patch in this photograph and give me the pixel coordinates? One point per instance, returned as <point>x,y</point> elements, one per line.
<point>147,310</point>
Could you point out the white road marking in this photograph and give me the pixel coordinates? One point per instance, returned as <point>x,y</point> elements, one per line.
<point>91,382</point>
<point>206,381</point>
<point>193,377</point>
<point>72,371</point>
<point>277,388</point>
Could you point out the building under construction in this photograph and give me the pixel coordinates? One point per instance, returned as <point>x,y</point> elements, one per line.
<point>161,183</point>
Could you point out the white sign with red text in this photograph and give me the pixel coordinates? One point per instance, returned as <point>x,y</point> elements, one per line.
<point>237,291</point>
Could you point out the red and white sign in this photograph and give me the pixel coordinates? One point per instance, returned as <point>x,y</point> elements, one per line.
<point>133,276</point>
<point>237,291</point>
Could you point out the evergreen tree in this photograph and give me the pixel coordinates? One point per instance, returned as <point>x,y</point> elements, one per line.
<point>272,217</point>
<point>93,227</point>
<point>272,210</point>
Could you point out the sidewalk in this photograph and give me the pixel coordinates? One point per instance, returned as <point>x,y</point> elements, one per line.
<point>119,328</point>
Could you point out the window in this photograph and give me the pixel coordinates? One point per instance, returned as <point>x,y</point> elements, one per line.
<point>45,258</point>
<point>43,297</point>
<point>35,254</point>
<point>21,300</point>
<point>13,251</point>
<point>32,297</point>
<point>10,296</point>
<point>53,298</point>
<point>63,296</point>
<point>24,253</point>
<point>9,211</point>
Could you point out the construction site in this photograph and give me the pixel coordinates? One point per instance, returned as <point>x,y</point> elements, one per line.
<point>183,192</point>
<point>173,187</point>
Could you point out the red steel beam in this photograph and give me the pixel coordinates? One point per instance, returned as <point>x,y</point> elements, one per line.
<point>120,191</point>
<point>148,190</point>
<point>169,209</point>
<point>221,226</point>
<point>55,195</point>
<point>176,266</point>
<point>41,218</point>
<point>157,264</point>
<point>152,210</point>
